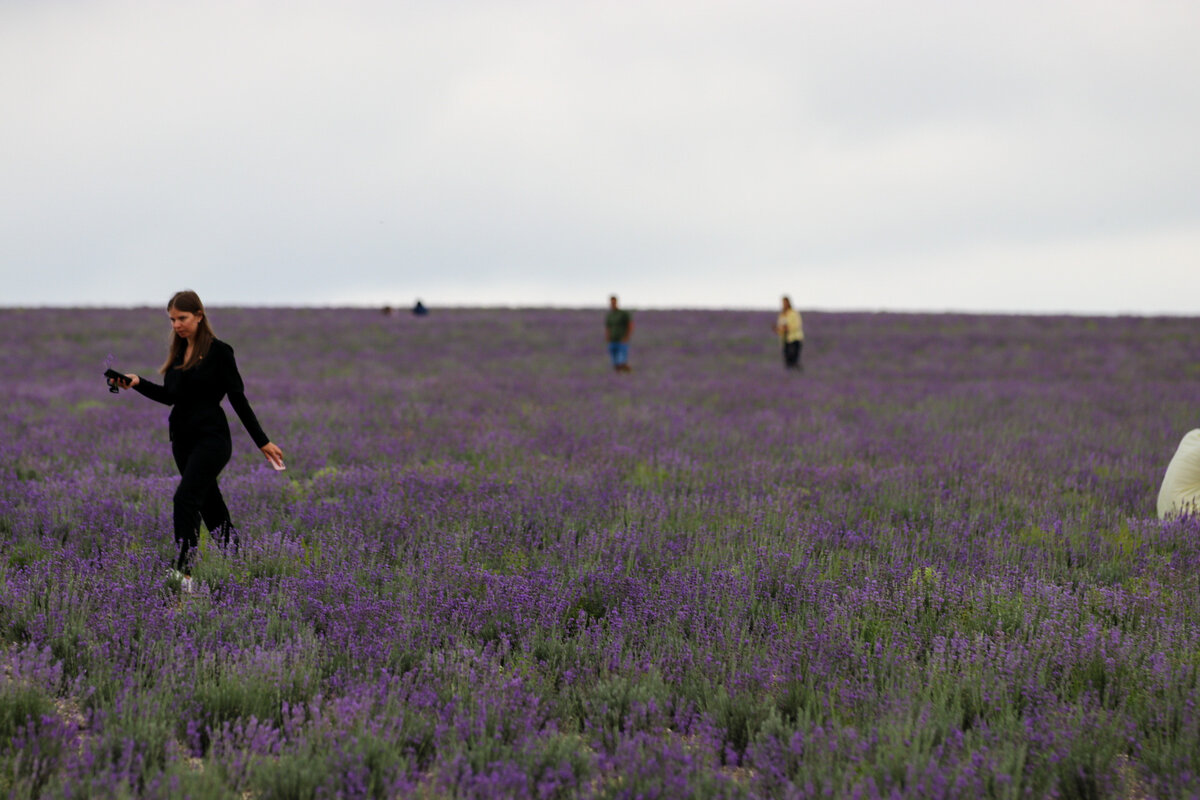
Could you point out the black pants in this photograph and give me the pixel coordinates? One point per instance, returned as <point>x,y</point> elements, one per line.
<point>791,354</point>
<point>197,497</point>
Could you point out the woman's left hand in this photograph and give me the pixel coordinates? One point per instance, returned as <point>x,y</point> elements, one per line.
<point>273,454</point>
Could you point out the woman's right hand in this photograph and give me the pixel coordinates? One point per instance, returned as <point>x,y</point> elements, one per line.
<point>133,380</point>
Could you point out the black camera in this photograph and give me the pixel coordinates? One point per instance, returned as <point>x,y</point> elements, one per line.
<point>113,376</point>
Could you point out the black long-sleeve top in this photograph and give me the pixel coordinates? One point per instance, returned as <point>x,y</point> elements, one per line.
<point>195,396</point>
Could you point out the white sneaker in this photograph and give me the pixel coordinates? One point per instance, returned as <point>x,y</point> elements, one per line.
<point>186,584</point>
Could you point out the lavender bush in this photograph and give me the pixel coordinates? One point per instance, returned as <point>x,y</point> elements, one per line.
<point>928,567</point>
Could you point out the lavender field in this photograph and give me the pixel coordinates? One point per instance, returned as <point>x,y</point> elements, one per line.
<point>927,567</point>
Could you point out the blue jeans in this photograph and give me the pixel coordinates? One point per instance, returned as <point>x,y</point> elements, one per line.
<point>618,352</point>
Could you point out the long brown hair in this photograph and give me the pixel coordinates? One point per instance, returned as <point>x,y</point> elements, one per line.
<point>202,339</point>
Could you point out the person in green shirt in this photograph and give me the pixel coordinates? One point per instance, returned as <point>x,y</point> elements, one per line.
<point>618,327</point>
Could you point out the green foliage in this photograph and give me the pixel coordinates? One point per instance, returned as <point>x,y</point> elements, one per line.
<point>24,553</point>
<point>290,777</point>
<point>740,716</point>
<point>649,476</point>
<point>617,705</point>
<point>20,705</point>
<point>229,691</point>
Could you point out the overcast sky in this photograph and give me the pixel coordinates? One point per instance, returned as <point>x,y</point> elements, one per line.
<point>991,156</point>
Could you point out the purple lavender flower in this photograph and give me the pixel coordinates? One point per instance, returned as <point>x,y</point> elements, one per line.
<point>930,567</point>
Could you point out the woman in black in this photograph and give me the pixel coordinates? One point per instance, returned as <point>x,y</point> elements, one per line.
<point>199,371</point>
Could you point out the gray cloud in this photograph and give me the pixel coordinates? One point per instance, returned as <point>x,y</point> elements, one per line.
<point>1027,156</point>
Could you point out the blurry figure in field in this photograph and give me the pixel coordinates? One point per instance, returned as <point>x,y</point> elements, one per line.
<point>419,310</point>
<point>618,327</point>
<point>790,330</point>
<point>199,371</point>
<point>1180,492</point>
<point>387,311</point>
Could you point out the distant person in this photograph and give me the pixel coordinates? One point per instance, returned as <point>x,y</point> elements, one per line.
<point>387,311</point>
<point>618,328</point>
<point>1180,491</point>
<point>790,330</point>
<point>419,310</point>
<point>198,372</point>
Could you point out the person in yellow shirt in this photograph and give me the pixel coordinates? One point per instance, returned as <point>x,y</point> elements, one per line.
<point>790,330</point>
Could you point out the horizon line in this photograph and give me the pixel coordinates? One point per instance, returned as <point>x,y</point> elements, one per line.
<point>650,307</point>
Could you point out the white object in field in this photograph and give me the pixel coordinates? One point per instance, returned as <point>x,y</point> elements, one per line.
<point>1180,492</point>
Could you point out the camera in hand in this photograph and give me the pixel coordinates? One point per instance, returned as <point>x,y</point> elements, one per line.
<point>114,376</point>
